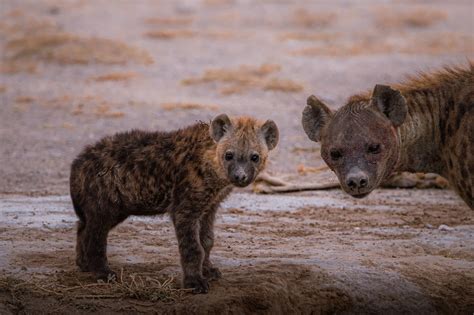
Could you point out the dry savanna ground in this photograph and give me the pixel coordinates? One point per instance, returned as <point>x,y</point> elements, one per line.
<point>74,71</point>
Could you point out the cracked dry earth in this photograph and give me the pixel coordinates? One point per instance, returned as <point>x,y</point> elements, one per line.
<point>74,71</point>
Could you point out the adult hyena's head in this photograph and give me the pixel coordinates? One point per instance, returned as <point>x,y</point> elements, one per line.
<point>359,141</point>
<point>243,144</point>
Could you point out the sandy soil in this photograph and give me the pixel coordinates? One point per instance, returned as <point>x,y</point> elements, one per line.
<point>74,71</point>
<point>305,253</point>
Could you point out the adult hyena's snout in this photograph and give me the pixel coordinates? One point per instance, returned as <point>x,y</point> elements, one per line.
<point>356,183</point>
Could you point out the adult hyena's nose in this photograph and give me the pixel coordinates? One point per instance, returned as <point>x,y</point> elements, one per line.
<point>356,179</point>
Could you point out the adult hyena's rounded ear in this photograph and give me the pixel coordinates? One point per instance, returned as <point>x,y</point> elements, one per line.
<point>219,126</point>
<point>315,116</point>
<point>270,133</point>
<point>391,103</point>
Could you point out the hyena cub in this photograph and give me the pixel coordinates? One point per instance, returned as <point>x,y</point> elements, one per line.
<point>185,173</point>
<point>423,125</point>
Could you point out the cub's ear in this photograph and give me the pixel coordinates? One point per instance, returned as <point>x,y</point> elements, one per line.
<point>219,126</point>
<point>391,103</point>
<point>315,116</point>
<point>270,133</point>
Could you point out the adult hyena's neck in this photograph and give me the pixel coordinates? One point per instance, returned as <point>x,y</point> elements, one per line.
<point>419,135</point>
<point>423,134</point>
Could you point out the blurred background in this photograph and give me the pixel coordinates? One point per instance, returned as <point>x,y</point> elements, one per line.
<point>74,71</point>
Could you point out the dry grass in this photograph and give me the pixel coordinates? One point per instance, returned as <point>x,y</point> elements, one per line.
<point>105,110</point>
<point>433,44</point>
<point>30,39</point>
<point>141,287</point>
<point>24,99</point>
<point>174,21</point>
<point>170,34</point>
<point>115,76</point>
<point>246,77</point>
<point>320,36</point>
<point>421,17</point>
<point>299,150</point>
<point>183,33</point>
<point>188,106</point>
<point>12,67</point>
<point>301,17</point>
<point>3,88</point>
<point>284,85</point>
<point>64,48</point>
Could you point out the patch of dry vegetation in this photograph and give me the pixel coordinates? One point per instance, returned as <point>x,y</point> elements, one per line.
<point>24,99</point>
<point>303,36</point>
<point>3,88</point>
<point>30,39</point>
<point>170,34</point>
<point>175,21</point>
<point>301,17</point>
<point>188,106</point>
<point>12,67</point>
<point>89,105</point>
<point>420,17</point>
<point>65,48</point>
<point>115,76</point>
<point>105,110</point>
<point>246,77</point>
<point>141,287</point>
<point>433,44</point>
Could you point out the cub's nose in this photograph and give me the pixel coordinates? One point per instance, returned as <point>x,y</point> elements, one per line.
<point>240,177</point>
<point>356,180</point>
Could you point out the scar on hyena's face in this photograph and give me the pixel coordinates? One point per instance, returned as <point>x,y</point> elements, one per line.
<point>359,141</point>
<point>242,146</point>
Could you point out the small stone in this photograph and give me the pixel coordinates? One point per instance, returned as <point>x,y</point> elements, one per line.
<point>444,227</point>
<point>429,226</point>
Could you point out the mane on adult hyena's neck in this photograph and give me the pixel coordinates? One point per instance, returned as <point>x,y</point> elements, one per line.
<point>448,79</point>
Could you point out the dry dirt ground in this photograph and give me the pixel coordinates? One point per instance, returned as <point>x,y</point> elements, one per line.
<point>74,71</point>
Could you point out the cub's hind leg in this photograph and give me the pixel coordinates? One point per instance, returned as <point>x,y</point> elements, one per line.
<point>206,235</point>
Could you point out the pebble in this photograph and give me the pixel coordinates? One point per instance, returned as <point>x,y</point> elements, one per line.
<point>444,227</point>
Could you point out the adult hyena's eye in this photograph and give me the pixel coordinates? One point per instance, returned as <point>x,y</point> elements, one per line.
<point>255,157</point>
<point>373,149</point>
<point>335,154</point>
<point>229,156</point>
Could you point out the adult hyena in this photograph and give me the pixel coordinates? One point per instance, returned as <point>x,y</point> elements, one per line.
<point>423,125</point>
<point>185,173</point>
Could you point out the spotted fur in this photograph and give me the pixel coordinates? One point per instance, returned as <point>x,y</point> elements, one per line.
<point>150,173</point>
<point>425,124</point>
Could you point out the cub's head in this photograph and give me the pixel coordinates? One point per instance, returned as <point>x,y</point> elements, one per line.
<point>243,144</point>
<point>359,141</point>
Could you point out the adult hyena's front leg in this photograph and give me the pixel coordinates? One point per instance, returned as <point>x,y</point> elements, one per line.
<point>186,224</point>
<point>206,234</point>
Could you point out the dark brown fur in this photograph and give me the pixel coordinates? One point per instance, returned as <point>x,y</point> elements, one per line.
<point>423,125</point>
<point>181,173</point>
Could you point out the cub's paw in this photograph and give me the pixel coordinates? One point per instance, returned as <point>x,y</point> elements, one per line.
<point>106,276</point>
<point>197,283</point>
<point>211,273</point>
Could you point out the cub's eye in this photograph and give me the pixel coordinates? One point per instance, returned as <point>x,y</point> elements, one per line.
<point>255,158</point>
<point>374,149</point>
<point>335,155</point>
<point>229,156</point>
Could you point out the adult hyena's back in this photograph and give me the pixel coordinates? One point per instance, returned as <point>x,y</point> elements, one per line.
<point>457,141</point>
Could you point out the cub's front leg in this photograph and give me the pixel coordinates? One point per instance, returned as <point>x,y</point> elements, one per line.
<point>186,224</point>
